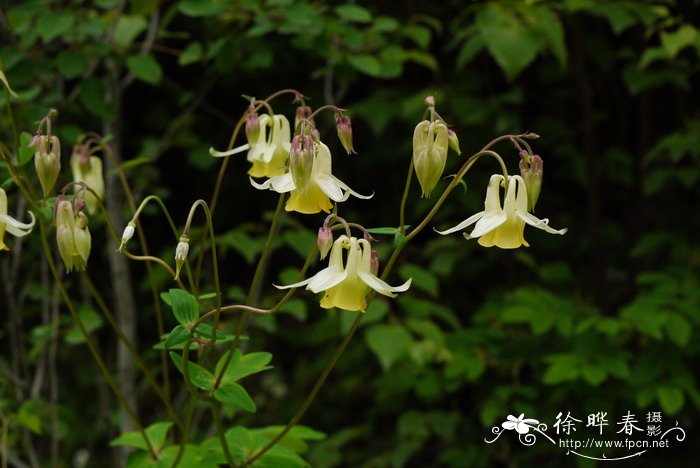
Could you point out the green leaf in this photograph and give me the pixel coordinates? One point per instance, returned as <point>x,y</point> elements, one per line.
<point>26,153</point>
<point>236,396</point>
<point>422,278</point>
<point>192,53</point>
<point>562,368</point>
<point>354,13</point>
<point>71,63</point>
<point>145,68</point>
<point>367,64</point>
<point>178,335</point>
<point>671,399</point>
<point>29,415</point>
<point>199,376</point>
<point>545,22</point>
<point>388,343</point>
<point>387,230</point>
<point>93,97</point>
<point>51,25</point>
<point>156,434</point>
<point>184,306</point>
<point>243,365</point>
<point>469,49</point>
<point>678,329</point>
<point>679,39</point>
<point>197,8</point>
<point>91,320</point>
<point>128,28</point>
<point>511,43</point>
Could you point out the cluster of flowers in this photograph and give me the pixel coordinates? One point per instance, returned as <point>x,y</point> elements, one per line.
<point>72,233</point>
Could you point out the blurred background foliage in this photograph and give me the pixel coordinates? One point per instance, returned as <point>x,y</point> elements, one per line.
<point>605,318</point>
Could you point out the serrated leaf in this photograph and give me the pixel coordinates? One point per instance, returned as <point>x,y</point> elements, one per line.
<point>184,306</point>
<point>388,343</point>
<point>199,376</point>
<point>178,335</point>
<point>236,396</point>
<point>145,68</point>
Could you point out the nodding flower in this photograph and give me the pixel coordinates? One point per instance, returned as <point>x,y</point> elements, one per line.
<point>10,225</point>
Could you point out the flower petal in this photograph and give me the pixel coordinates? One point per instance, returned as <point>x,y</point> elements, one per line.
<point>380,286</point>
<point>326,279</point>
<point>17,228</point>
<point>467,222</point>
<point>538,223</point>
<point>488,223</point>
<point>283,183</point>
<point>220,154</point>
<point>329,186</point>
<point>345,187</point>
<point>296,285</point>
<point>264,186</point>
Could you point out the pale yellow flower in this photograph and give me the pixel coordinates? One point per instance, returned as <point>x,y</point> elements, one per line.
<point>503,226</point>
<point>322,186</point>
<point>346,286</point>
<point>10,225</point>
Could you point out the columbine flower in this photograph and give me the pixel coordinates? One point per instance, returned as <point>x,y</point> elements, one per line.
<point>503,227</point>
<point>522,426</point>
<point>269,150</point>
<point>127,235</point>
<point>181,251</point>
<point>346,287</point>
<point>11,225</point>
<point>47,160</point>
<point>72,236</point>
<point>88,170</point>
<point>321,186</point>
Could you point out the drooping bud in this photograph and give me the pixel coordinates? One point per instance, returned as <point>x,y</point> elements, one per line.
<point>88,170</point>
<point>454,141</point>
<point>301,161</point>
<point>344,127</point>
<point>127,235</point>
<point>374,263</point>
<point>430,142</point>
<point>531,172</point>
<point>47,160</point>
<point>324,240</point>
<point>252,127</point>
<point>183,247</point>
<point>429,101</point>
<point>72,236</point>
<point>303,113</point>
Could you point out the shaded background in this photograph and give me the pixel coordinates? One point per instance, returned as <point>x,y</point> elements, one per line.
<point>604,318</point>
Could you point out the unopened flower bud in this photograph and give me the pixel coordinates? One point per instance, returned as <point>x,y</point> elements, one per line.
<point>47,160</point>
<point>301,161</point>
<point>127,235</point>
<point>315,135</point>
<point>344,127</point>
<point>88,170</point>
<point>303,113</point>
<point>252,128</point>
<point>183,247</point>
<point>374,263</point>
<point>531,172</point>
<point>430,142</point>
<point>324,240</point>
<point>454,141</point>
<point>429,101</point>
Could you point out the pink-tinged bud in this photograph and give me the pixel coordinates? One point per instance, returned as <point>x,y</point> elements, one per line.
<point>47,160</point>
<point>454,141</point>
<point>315,136</point>
<point>324,240</point>
<point>301,161</point>
<point>531,173</point>
<point>430,101</point>
<point>374,263</point>
<point>344,127</point>
<point>79,205</point>
<point>252,127</point>
<point>303,113</point>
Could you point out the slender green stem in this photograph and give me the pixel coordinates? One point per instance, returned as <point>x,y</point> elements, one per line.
<point>130,348</point>
<point>11,117</point>
<point>253,292</point>
<point>222,435</point>
<point>404,198</point>
<point>310,398</point>
<point>86,336</point>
